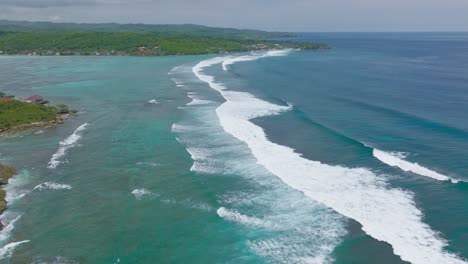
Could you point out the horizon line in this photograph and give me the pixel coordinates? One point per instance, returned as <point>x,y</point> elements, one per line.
<point>239,28</point>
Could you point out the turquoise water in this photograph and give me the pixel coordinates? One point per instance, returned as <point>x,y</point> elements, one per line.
<point>353,155</point>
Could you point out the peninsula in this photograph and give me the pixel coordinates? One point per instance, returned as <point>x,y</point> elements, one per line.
<point>17,115</point>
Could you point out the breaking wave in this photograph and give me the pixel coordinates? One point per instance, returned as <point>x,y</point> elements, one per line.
<point>66,144</point>
<point>7,250</point>
<point>397,160</point>
<point>385,213</point>
<point>253,57</point>
<point>235,216</point>
<point>141,193</point>
<point>52,186</point>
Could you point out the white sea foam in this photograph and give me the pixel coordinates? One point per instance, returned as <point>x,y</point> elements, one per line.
<point>141,193</point>
<point>385,213</point>
<point>252,57</point>
<point>54,260</point>
<point>12,197</point>
<point>235,216</point>
<point>7,250</point>
<point>150,164</point>
<point>180,128</point>
<point>16,187</point>
<point>66,144</point>
<point>52,186</point>
<point>202,163</point>
<point>196,100</point>
<point>153,101</point>
<point>9,225</point>
<point>395,160</point>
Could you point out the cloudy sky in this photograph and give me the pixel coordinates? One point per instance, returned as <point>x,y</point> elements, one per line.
<point>287,15</point>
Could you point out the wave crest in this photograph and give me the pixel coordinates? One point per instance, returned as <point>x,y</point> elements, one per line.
<point>396,160</point>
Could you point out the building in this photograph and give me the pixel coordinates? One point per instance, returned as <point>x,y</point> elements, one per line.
<point>35,99</point>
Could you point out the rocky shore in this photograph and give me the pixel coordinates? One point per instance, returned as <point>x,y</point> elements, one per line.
<point>60,119</point>
<point>6,172</point>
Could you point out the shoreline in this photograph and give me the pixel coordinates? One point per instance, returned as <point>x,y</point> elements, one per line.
<point>60,119</point>
<point>324,47</point>
<point>8,172</point>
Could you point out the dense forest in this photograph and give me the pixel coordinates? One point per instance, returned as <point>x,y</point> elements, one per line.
<point>41,38</point>
<point>184,29</point>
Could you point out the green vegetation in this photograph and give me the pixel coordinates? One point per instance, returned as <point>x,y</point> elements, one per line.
<point>2,94</point>
<point>185,29</point>
<point>17,113</point>
<point>43,38</point>
<point>5,173</point>
<point>128,43</point>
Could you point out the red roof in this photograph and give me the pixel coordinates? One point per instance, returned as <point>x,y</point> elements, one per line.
<point>34,97</point>
<point>6,99</point>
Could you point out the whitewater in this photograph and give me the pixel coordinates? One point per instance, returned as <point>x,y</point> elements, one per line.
<point>66,144</point>
<point>395,161</point>
<point>385,213</point>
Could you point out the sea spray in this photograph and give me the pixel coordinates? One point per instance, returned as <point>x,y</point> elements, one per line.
<point>386,214</point>
<point>9,226</point>
<point>253,57</point>
<point>52,186</point>
<point>66,144</point>
<point>7,250</point>
<point>235,216</point>
<point>141,193</point>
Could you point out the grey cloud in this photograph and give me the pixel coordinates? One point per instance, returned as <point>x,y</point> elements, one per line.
<point>46,3</point>
<point>290,15</point>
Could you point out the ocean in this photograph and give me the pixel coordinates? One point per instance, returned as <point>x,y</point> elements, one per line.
<point>357,154</point>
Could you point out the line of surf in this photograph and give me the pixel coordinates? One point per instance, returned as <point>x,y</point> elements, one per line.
<point>66,144</point>
<point>253,57</point>
<point>395,161</point>
<point>385,213</point>
<point>7,250</point>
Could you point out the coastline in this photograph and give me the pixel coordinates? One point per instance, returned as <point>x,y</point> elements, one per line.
<point>103,54</point>
<point>6,172</point>
<point>60,119</point>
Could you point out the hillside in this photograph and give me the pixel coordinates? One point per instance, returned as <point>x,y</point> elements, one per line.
<point>185,29</point>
